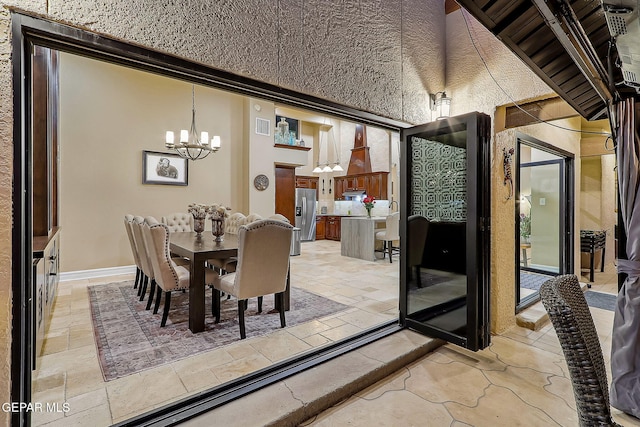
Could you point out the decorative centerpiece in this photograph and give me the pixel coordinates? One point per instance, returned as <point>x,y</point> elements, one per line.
<point>368,203</point>
<point>218,213</point>
<point>199,212</point>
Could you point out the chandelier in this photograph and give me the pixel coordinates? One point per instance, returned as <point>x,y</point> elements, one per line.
<point>191,146</point>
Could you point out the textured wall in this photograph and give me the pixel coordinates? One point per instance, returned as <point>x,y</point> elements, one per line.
<point>381,56</point>
<point>350,52</point>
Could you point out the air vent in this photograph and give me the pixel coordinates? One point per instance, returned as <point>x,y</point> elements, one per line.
<point>617,25</point>
<point>263,126</point>
<point>630,76</point>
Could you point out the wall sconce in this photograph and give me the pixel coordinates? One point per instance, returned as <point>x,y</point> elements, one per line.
<point>440,103</point>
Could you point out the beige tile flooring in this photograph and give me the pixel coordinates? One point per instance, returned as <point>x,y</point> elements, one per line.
<point>69,370</point>
<point>521,379</point>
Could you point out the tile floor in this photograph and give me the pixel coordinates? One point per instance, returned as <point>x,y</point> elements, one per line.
<point>521,379</point>
<point>69,370</point>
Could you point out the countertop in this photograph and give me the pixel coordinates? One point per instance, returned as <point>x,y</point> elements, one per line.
<point>342,215</point>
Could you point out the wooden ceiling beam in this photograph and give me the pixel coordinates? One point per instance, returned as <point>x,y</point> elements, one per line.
<point>536,111</point>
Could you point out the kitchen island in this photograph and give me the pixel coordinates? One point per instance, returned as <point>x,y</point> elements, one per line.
<point>358,236</point>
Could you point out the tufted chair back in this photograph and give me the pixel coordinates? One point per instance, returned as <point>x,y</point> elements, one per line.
<point>128,225</point>
<point>168,275</point>
<point>252,218</point>
<point>263,258</point>
<point>279,217</point>
<point>143,253</point>
<point>233,223</point>
<point>179,221</point>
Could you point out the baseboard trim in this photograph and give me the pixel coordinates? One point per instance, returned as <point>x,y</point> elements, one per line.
<point>98,272</point>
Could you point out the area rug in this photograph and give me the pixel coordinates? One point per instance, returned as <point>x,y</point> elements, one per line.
<point>532,281</point>
<point>129,338</point>
<point>601,300</point>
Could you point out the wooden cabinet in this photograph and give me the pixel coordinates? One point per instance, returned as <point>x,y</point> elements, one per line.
<point>308,182</point>
<point>46,256</point>
<point>333,228</point>
<point>373,184</point>
<point>321,225</point>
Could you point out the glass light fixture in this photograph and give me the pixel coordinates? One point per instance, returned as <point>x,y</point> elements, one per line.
<point>327,168</point>
<point>440,103</point>
<point>318,169</point>
<point>191,146</point>
<point>337,168</point>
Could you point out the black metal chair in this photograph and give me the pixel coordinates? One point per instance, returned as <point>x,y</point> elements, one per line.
<point>569,313</point>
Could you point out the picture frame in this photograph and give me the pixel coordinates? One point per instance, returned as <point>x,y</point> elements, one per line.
<point>160,168</point>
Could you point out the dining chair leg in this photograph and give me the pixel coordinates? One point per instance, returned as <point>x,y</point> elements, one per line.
<point>418,278</point>
<point>152,292</point>
<point>135,282</point>
<point>144,287</point>
<point>167,304</point>
<point>390,249</point>
<point>384,248</point>
<point>280,298</point>
<point>259,304</point>
<point>158,296</point>
<point>241,308</point>
<point>215,305</point>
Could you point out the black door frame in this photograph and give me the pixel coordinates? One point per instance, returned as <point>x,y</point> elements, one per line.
<point>30,30</point>
<point>567,211</point>
<point>478,248</point>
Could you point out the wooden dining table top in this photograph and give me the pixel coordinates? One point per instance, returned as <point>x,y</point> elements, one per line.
<point>188,244</point>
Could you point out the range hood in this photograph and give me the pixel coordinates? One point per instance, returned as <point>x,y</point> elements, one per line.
<point>622,20</point>
<point>355,193</point>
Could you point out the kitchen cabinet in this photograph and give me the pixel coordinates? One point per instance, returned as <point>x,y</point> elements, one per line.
<point>321,226</point>
<point>46,255</point>
<point>333,228</point>
<point>308,182</point>
<point>373,184</point>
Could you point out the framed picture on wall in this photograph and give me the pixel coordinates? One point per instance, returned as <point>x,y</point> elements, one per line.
<point>164,169</point>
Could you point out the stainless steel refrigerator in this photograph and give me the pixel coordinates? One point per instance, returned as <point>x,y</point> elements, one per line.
<point>306,213</point>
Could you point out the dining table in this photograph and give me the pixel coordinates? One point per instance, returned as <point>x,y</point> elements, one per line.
<point>198,249</point>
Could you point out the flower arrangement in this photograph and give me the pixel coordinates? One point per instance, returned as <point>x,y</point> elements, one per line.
<point>215,211</point>
<point>525,226</point>
<point>368,203</point>
<point>198,210</point>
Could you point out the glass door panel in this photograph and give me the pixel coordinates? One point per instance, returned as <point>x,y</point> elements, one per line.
<point>542,218</point>
<point>444,275</point>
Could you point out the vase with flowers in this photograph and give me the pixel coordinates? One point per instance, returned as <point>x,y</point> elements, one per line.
<point>368,203</point>
<point>199,212</point>
<point>218,213</point>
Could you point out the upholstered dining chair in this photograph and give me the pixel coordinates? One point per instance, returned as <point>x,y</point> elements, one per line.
<point>417,228</point>
<point>168,275</point>
<point>390,233</point>
<point>280,217</point>
<point>232,226</point>
<point>145,262</point>
<point>128,225</point>
<point>252,218</point>
<point>263,263</point>
<point>179,221</point>
<point>569,313</point>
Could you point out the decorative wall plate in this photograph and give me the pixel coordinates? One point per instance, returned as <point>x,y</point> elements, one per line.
<point>261,182</point>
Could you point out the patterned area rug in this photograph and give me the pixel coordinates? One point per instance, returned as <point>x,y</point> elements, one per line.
<point>532,281</point>
<point>129,338</point>
<point>601,300</point>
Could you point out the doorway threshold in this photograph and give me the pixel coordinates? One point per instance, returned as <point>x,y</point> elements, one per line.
<point>300,397</point>
<point>535,316</point>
